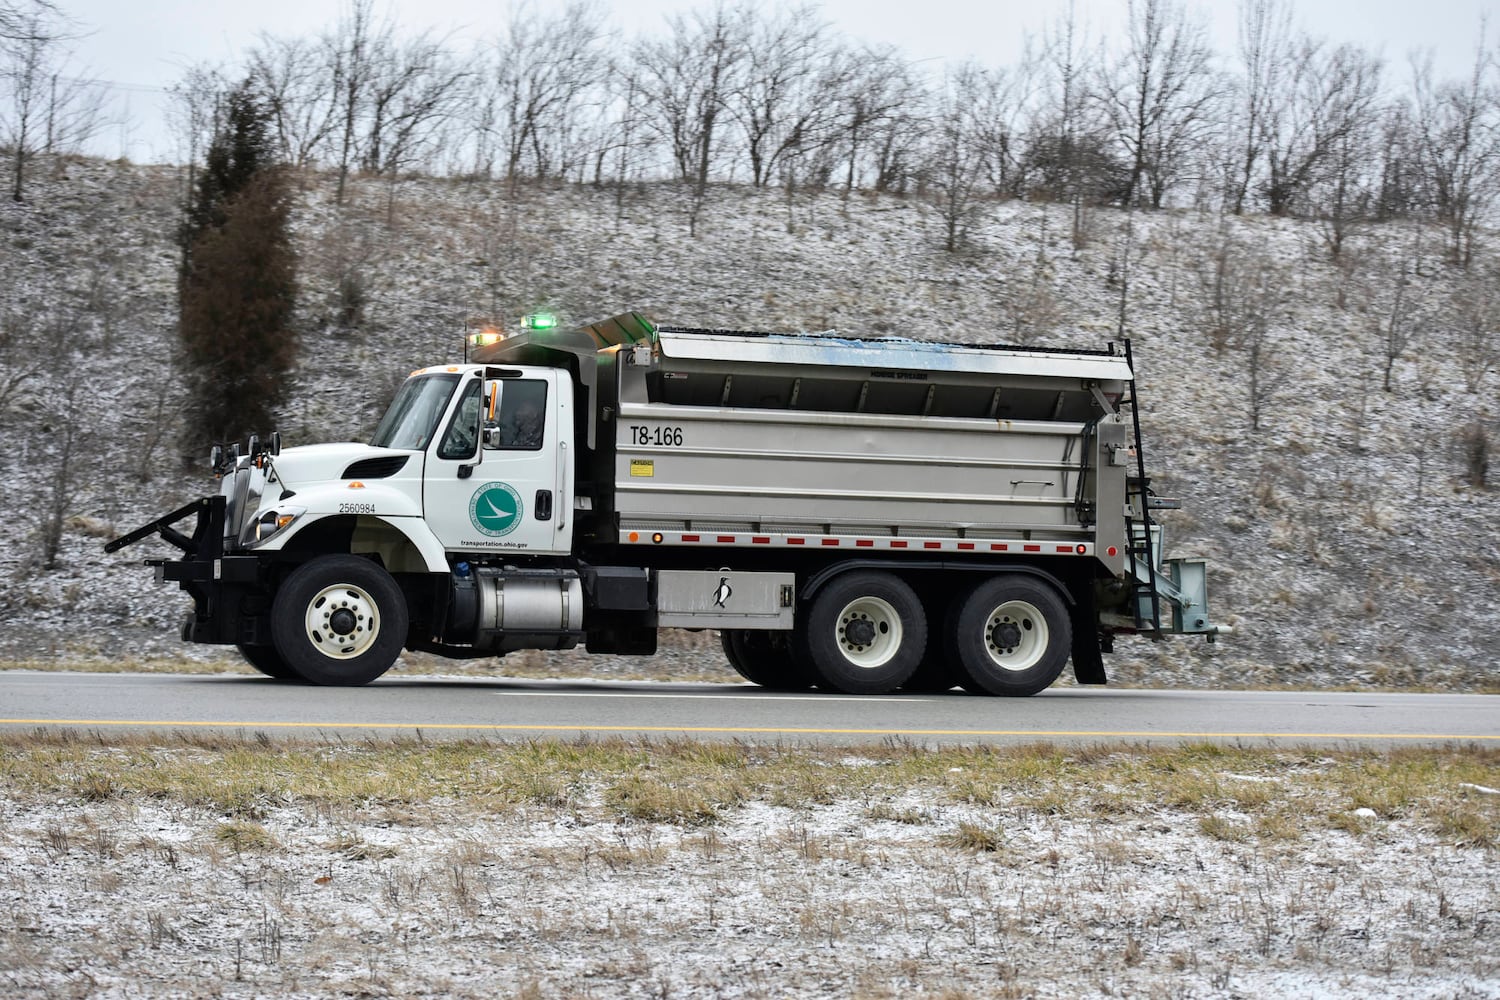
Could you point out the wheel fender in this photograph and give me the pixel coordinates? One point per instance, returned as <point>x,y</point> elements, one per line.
<point>820,579</point>
<point>413,529</point>
<point>382,498</point>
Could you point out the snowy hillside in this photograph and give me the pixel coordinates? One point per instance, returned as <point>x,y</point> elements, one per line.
<point>1347,546</point>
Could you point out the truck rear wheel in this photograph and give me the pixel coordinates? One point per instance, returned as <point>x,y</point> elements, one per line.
<point>268,661</point>
<point>1011,636</point>
<point>339,620</point>
<point>934,674</point>
<point>763,658</point>
<point>865,633</point>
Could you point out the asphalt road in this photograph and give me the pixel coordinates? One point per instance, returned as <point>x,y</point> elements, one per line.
<point>442,707</point>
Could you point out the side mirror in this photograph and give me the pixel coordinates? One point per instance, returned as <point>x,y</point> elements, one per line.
<point>491,436</point>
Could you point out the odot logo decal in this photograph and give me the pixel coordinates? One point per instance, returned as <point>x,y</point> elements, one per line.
<point>496,509</point>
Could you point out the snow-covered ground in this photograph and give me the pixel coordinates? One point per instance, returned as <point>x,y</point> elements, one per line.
<point>888,893</point>
<point>1346,547</point>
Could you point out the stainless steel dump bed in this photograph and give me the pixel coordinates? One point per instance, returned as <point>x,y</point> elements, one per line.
<point>781,439</point>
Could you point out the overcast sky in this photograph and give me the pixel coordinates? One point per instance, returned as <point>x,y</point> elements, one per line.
<point>142,46</point>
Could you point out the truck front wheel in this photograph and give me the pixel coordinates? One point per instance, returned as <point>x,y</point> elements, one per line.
<point>339,620</point>
<point>865,633</point>
<point>1011,636</point>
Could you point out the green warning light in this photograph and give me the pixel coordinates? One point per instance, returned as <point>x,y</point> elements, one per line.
<point>538,321</point>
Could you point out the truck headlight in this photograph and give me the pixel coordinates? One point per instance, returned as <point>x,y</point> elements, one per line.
<point>274,520</point>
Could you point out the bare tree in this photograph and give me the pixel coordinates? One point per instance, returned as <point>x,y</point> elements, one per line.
<point>1399,188</point>
<point>781,101</point>
<point>157,413</point>
<point>1345,189</point>
<point>1396,326</point>
<point>14,25</point>
<point>1002,121</point>
<point>355,49</point>
<point>620,151</point>
<point>1291,134</point>
<point>879,96</point>
<point>45,110</point>
<point>687,79</point>
<point>1476,317</point>
<point>545,71</point>
<point>894,134</point>
<point>1066,157</point>
<point>957,162</point>
<point>1459,133</point>
<point>22,358</point>
<point>414,89</point>
<point>1320,136</point>
<point>1475,447</point>
<point>299,80</point>
<point>193,114</point>
<point>1158,96</point>
<point>1264,51</point>
<point>64,427</point>
<point>691,74</point>
<point>1241,292</point>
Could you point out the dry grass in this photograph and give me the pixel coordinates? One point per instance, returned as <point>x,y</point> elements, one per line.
<point>615,867</point>
<point>1238,792</point>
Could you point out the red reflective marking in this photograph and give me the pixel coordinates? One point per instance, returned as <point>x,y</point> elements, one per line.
<point>1031,548</point>
<point>689,538</point>
<point>1066,550</point>
<point>999,547</point>
<point>864,543</point>
<point>761,539</point>
<point>966,546</point>
<point>794,541</point>
<point>898,545</point>
<point>830,541</point>
<point>932,545</point>
<point>726,539</point>
<point>1112,551</point>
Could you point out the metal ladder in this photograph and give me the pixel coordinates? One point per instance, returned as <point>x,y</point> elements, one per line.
<point>1145,592</point>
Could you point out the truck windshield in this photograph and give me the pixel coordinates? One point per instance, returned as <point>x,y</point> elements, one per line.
<point>413,417</point>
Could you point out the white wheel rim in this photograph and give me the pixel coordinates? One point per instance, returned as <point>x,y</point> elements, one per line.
<point>869,632</point>
<point>342,621</point>
<point>1016,636</point>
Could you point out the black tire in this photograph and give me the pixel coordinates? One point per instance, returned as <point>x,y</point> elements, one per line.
<point>865,633</point>
<point>1012,636</point>
<point>763,658</point>
<point>933,675</point>
<point>268,661</point>
<point>339,620</point>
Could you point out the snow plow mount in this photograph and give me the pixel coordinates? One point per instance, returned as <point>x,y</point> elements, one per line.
<point>209,531</point>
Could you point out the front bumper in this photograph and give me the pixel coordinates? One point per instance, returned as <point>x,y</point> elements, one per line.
<point>231,599</point>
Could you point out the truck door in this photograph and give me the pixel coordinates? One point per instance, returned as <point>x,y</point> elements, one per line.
<point>499,477</point>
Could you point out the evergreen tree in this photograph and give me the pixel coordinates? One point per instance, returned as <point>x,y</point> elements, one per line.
<point>238,284</point>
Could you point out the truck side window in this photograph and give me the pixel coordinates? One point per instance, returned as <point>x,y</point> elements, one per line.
<point>521,420</point>
<point>463,430</point>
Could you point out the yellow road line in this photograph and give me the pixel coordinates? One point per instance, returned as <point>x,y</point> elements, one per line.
<point>749,730</point>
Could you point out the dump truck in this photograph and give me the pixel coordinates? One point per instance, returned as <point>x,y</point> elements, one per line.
<point>855,515</point>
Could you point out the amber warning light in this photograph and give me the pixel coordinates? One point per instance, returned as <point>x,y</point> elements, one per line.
<point>484,338</point>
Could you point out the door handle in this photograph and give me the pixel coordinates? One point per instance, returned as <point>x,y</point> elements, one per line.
<point>543,505</point>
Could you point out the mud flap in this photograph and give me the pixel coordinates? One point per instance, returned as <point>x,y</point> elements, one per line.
<point>1088,659</point>
<point>1088,655</point>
